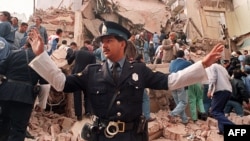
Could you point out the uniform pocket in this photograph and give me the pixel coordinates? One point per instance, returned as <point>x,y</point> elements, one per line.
<point>136,95</point>
<point>98,96</point>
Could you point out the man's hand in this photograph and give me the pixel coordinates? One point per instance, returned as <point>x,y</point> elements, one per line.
<point>213,56</point>
<point>209,94</point>
<point>36,41</point>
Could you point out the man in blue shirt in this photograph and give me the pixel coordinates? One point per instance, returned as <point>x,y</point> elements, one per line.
<point>180,96</point>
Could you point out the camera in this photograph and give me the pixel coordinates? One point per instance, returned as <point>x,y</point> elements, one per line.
<point>89,131</point>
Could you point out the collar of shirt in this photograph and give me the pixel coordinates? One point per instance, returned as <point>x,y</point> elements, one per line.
<point>180,58</point>
<point>121,63</point>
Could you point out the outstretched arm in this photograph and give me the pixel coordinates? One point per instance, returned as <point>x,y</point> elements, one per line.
<point>43,64</point>
<point>196,72</point>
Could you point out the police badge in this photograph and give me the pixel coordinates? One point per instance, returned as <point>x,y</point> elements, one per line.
<point>135,76</point>
<point>104,29</point>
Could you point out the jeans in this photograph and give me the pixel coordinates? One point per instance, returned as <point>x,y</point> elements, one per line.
<point>206,101</point>
<point>219,101</point>
<point>234,105</point>
<point>146,105</point>
<point>146,58</point>
<point>181,99</point>
<point>156,46</point>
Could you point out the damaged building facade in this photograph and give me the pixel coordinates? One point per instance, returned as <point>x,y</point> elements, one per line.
<point>205,22</point>
<point>212,21</point>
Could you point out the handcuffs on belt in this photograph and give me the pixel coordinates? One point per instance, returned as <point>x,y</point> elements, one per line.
<point>113,128</point>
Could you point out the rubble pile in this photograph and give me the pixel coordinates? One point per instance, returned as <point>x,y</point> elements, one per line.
<point>51,127</point>
<point>161,129</point>
<point>54,18</point>
<point>54,127</point>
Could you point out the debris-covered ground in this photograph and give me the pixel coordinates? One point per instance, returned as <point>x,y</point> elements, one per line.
<point>54,127</point>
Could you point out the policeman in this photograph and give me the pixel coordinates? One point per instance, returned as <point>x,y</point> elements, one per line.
<point>17,94</point>
<point>116,103</point>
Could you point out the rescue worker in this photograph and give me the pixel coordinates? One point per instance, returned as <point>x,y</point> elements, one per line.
<point>18,91</point>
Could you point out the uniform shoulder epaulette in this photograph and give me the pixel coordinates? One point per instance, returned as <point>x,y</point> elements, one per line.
<point>89,67</point>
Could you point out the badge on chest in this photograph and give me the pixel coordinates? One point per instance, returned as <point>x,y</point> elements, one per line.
<point>135,77</point>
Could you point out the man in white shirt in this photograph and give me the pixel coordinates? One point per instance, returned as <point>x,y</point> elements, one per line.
<point>19,34</point>
<point>219,90</point>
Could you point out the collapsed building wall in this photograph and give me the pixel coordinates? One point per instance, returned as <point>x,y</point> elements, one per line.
<point>54,18</point>
<point>152,16</point>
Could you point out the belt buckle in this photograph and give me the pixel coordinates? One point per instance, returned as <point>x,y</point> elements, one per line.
<point>121,126</point>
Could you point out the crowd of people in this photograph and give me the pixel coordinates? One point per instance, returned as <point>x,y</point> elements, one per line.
<point>29,57</point>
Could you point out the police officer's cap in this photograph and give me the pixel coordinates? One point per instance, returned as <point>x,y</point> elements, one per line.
<point>108,28</point>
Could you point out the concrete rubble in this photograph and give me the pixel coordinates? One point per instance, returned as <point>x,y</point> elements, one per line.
<point>152,18</point>
<point>54,127</point>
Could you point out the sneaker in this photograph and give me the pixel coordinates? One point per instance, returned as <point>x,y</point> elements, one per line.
<point>171,119</point>
<point>203,116</point>
<point>185,123</point>
<point>220,133</point>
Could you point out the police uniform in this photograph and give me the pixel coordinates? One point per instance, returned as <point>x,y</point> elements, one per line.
<point>16,94</point>
<point>97,82</point>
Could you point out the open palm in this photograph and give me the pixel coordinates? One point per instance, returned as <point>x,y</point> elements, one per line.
<point>36,42</point>
<point>213,56</point>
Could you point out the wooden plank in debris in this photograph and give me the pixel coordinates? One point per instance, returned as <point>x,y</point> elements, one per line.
<point>196,28</point>
<point>218,1</point>
<point>60,4</point>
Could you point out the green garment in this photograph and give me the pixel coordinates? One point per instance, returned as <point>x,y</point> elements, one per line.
<point>195,98</point>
